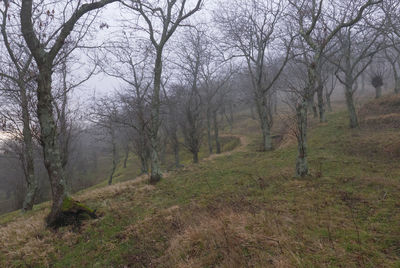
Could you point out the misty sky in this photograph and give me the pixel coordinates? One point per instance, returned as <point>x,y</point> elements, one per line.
<point>102,84</point>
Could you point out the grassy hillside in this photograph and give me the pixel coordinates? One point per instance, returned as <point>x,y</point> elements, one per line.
<point>242,209</point>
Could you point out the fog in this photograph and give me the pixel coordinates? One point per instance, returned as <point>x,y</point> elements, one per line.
<point>96,94</point>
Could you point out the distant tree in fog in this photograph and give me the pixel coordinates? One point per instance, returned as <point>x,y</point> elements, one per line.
<point>162,19</point>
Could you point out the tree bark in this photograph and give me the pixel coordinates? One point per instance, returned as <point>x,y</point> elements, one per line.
<point>126,156</point>
<point>328,102</point>
<point>143,165</point>
<point>301,163</point>
<point>51,151</point>
<point>156,174</point>
<point>31,179</point>
<point>321,104</point>
<point>195,157</point>
<point>216,132</point>
<point>353,120</point>
<point>397,85</point>
<point>313,107</point>
<point>114,156</point>
<point>263,113</point>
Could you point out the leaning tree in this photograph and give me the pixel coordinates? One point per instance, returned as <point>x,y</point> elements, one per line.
<point>45,41</point>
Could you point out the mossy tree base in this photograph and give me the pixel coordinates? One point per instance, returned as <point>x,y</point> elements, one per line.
<point>72,213</point>
<point>155,178</point>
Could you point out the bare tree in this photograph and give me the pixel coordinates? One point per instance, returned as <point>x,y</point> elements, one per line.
<point>162,19</point>
<point>317,30</point>
<point>45,47</point>
<point>357,46</point>
<point>251,29</point>
<point>105,114</point>
<point>192,121</point>
<point>19,73</point>
<point>130,60</point>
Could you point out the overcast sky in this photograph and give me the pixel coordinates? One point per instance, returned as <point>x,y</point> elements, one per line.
<point>112,14</point>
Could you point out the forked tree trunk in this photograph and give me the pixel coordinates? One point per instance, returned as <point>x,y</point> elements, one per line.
<point>216,132</point>
<point>51,151</point>
<point>301,163</point>
<point>351,108</point>
<point>31,179</point>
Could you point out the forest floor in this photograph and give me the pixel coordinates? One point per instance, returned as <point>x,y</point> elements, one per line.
<point>241,209</point>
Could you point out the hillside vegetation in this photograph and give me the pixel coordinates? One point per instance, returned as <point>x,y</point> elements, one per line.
<point>241,209</point>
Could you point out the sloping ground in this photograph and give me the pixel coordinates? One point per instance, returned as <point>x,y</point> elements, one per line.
<point>378,137</point>
<point>243,209</point>
<point>382,112</point>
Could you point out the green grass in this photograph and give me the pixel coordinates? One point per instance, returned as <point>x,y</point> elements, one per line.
<point>248,208</point>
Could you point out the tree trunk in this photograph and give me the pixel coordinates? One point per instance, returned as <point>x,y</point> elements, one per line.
<point>378,92</point>
<point>253,116</point>
<point>302,164</point>
<point>363,82</point>
<point>209,139</point>
<point>176,151</point>
<point>351,107</point>
<point>216,132</point>
<point>51,151</point>
<point>31,179</point>
<point>231,117</point>
<point>397,85</point>
<point>114,156</point>
<point>328,102</point>
<point>262,109</point>
<point>143,164</point>
<point>321,104</point>
<point>156,174</point>
<point>195,157</point>
<point>313,107</point>
<point>126,156</point>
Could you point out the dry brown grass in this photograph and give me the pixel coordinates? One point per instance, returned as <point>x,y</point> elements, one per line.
<point>225,240</point>
<point>383,112</point>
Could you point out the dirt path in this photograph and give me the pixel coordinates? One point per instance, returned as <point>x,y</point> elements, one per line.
<point>244,141</point>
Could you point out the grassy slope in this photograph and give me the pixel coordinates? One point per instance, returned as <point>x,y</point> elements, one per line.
<point>239,210</point>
